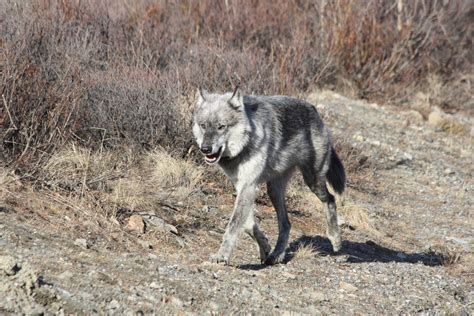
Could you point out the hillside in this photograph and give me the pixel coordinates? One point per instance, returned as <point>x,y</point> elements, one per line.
<point>71,247</point>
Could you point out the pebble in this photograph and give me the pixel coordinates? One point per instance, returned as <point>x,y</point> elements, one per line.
<point>347,286</point>
<point>448,171</point>
<point>213,306</point>
<point>317,296</point>
<point>8,265</point>
<point>113,304</point>
<point>81,242</point>
<point>65,275</point>
<point>157,223</point>
<point>136,223</point>
<point>176,301</point>
<point>145,244</point>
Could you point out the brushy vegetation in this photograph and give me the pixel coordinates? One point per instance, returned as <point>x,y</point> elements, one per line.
<point>119,73</point>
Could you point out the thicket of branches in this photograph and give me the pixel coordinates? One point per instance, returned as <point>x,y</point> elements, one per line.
<point>109,73</point>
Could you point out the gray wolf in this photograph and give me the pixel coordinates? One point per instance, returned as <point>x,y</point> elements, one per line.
<point>257,139</point>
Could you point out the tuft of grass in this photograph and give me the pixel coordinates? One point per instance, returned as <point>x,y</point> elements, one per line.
<point>305,252</point>
<point>79,168</point>
<point>172,172</point>
<point>159,177</point>
<point>8,184</point>
<point>447,254</point>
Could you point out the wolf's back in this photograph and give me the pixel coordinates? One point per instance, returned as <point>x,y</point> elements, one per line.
<point>336,175</point>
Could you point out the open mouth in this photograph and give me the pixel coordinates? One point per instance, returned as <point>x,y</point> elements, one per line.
<point>213,158</point>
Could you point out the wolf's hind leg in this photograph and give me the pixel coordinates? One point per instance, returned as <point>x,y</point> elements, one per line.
<point>332,231</point>
<point>252,229</point>
<point>318,187</point>
<point>276,190</point>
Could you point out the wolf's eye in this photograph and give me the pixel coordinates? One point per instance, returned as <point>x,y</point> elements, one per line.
<point>221,127</point>
<point>203,126</point>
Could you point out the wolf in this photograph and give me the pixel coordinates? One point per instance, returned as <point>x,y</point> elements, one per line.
<point>264,139</point>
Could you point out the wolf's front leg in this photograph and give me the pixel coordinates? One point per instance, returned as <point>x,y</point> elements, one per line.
<point>242,210</point>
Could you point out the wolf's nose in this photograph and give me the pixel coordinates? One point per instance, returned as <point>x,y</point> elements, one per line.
<point>206,150</point>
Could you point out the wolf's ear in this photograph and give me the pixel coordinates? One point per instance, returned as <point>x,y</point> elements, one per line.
<point>201,95</point>
<point>236,101</point>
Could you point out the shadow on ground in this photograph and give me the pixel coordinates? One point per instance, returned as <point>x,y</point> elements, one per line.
<point>356,252</point>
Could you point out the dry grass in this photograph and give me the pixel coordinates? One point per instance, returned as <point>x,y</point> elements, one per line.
<point>449,255</point>
<point>96,191</point>
<point>8,184</point>
<point>79,168</point>
<point>356,216</point>
<point>305,252</point>
<point>160,177</point>
<point>170,172</point>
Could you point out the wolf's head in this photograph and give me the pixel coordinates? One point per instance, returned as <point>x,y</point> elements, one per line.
<point>221,126</point>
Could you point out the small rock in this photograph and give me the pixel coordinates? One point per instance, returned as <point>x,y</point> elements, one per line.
<point>347,286</point>
<point>448,171</point>
<point>8,265</point>
<point>136,223</point>
<point>65,275</point>
<point>113,304</point>
<point>213,306</point>
<point>156,223</point>
<point>33,310</point>
<point>210,209</point>
<point>288,275</point>
<point>408,156</point>
<point>317,296</point>
<point>154,285</point>
<point>145,244</point>
<point>81,242</point>
<point>176,301</point>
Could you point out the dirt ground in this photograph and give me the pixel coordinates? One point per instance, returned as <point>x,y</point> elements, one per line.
<point>407,224</point>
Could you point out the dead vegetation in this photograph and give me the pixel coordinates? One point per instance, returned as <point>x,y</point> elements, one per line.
<point>109,74</point>
<point>305,251</point>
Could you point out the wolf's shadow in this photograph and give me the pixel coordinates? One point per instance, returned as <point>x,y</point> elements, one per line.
<point>356,252</point>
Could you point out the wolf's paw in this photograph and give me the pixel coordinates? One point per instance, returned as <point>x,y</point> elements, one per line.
<point>218,258</point>
<point>336,246</point>
<point>336,242</point>
<point>264,254</point>
<point>274,259</point>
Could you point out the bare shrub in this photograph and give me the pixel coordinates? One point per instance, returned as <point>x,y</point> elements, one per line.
<point>110,73</point>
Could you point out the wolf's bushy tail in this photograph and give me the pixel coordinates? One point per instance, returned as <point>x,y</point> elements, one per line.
<point>336,175</point>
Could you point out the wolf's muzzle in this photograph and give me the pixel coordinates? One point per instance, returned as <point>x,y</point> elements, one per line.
<point>206,150</point>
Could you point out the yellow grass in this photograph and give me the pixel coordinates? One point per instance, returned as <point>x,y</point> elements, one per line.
<point>305,251</point>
